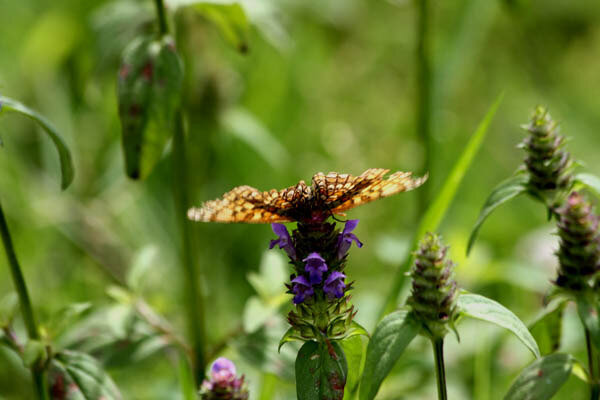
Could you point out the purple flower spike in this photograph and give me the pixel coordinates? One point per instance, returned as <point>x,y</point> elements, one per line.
<point>284,241</point>
<point>222,371</point>
<point>346,238</point>
<point>302,289</point>
<point>334,284</point>
<point>315,266</point>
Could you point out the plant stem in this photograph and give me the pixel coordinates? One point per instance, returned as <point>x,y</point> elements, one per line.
<point>38,374</point>
<point>440,370</point>
<point>424,78</point>
<point>594,387</point>
<point>163,27</point>
<point>194,298</point>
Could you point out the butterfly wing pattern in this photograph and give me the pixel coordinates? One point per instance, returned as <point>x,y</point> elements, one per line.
<point>329,194</point>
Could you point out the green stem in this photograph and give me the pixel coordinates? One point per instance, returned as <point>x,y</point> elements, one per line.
<point>163,27</point>
<point>424,78</point>
<point>440,370</point>
<point>39,376</point>
<point>194,299</point>
<point>594,387</point>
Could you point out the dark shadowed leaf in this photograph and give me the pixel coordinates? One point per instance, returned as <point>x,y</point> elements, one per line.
<point>74,375</point>
<point>588,312</point>
<point>387,344</point>
<point>547,328</point>
<point>437,210</point>
<point>480,307</point>
<point>505,191</point>
<point>66,163</point>
<point>542,379</point>
<point>150,79</point>
<point>355,351</point>
<point>321,371</point>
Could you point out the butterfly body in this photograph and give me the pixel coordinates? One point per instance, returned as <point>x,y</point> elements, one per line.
<point>327,195</point>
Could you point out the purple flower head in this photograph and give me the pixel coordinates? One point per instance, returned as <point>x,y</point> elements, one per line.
<point>222,372</point>
<point>334,284</point>
<point>315,266</point>
<point>302,289</point>
<point>284,241</point>
<point>346,237</point>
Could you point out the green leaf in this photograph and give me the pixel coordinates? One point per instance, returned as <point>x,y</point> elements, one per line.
<point>542,379</point>
<point>149,85</point>
<point>141,266</point>
<point>321,371</point>
<point>389,340</point>
<point>81,377</point>
<point>9,305</point>
<point>587,308</point>
<point>505,191</point>
<point>547,328</point>
<point>291,335</point>
<point>354,350</point>
<point>589,180</point>
<point>480,307</point>
<point>64,318</point>
<point>186,380</point>
<point>437,210</point>
<point>229,18</point>
<point>356,329</point>
<point>34,354</point>
<point>66,162</point>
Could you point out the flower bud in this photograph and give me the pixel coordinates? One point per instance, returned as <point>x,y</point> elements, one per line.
<point>548,166</point>
<point>579,252</point>
<point>223,383</point>
<point>434,290</point>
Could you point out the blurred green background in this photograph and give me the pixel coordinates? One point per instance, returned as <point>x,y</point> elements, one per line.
<point>325,86</point>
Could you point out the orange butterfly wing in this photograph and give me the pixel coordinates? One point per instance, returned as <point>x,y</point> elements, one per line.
<point>250,205</point>
<point>341,192</point>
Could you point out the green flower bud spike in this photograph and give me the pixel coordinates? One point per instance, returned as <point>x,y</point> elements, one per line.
<point>579,252</point>
<point>548,166</point>
<point>434,290</point>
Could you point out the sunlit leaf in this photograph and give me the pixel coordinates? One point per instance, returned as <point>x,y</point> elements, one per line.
<point>502,193</point>
<point>321,371</point>
<point>355,350</point>
<point>66,163</point>
<point>141,265</point>
<point>66,317</point>
<point>590,181</point>
<point>482,308</point>
<point>229,18</point>
<point>547,328</point>
<point>387,344</point>
<point>436,211</point>
<point>149,85</point>
<point>75,375</point>
<point>542,379</point>
<point>9,305</point>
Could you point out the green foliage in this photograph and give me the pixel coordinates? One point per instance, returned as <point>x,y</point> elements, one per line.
<point>502,193</point>
<point>150,79</point>
<point>542,379</point>
<point>391,337</point>
<point>77,376</point>
<point>66,163</point>
<point>354,349</point>
<point>482,308</point>
<point>547,328</point>
<point>436,211</point>
<point>321,371</point>
<point>229,18</point>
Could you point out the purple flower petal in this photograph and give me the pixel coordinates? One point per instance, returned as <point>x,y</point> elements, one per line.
<point>302,289</point>
<point>334,284</point>
<point>284,241</point>
<point>222,371</point>
<point>315,266</point>
<point>346,238</point>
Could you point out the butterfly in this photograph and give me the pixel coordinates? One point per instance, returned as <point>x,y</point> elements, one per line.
<point>328,194</point>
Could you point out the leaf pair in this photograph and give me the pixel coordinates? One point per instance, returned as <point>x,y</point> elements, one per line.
<point>394,333</point>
